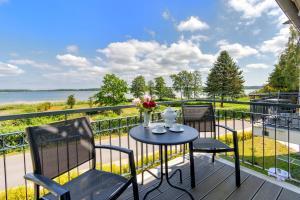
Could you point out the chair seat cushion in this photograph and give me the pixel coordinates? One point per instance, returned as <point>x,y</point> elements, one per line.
<point>209,145</point>
<point>93,185</point>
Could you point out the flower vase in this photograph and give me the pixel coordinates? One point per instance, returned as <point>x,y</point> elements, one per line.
<point>147,119</point>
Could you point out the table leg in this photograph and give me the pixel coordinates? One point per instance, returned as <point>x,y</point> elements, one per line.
<point>161,172</point>
<point>192,165</point>
<point>167,175</point>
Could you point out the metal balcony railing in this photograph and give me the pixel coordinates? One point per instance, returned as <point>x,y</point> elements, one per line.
<point>265,140</point>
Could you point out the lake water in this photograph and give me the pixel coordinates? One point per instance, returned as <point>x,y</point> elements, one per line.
<point>40,96</point>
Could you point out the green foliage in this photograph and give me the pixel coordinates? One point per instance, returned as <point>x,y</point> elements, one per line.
<point>43,106</point>
<point>112,91</point>
<point>161,90</point>
<point>138,86</point>
<point>285,76</point>
<point>196,83</point>
<point>71,101</point>
<point>264,152</point>
<point>187,83</point>
<point>150,88</point>
<point>225,78</point>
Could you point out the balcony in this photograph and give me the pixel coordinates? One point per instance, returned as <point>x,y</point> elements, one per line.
<point>215,181</point>
<point>258,151</point>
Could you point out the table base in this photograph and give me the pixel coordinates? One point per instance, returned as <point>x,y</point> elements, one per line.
<point>166,174</point>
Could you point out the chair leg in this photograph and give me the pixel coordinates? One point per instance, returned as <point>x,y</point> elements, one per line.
<point>213,157</point>
<point>36,192</point>
<point>183,156</point>
<point>237,168</point>
<point>135,189</point>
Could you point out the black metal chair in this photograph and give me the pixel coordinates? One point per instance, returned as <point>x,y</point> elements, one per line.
<point>60,147</point>
<point>202,118</point>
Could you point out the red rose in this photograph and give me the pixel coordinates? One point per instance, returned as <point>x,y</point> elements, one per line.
<point>146,105</point>
<point>152,104</point>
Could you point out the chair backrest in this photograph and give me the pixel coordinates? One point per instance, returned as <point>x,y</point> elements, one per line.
<point>200,117</point>
<point>59,147</point>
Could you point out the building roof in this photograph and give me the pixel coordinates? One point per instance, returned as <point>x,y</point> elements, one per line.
<point>292,9</point>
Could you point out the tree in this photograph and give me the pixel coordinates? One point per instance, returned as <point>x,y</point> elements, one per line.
<point>187,83</point>
<point>225,78</point>
<point>71,101</point>
<point>196,83</point>
<point>161,90</point>
<point>150,87</point>
<point>138,86</point>
<point>285,76</point>
<point>112,91</point>
<point>177,84</point>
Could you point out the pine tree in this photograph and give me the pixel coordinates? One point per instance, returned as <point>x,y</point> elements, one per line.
<point>225,78</point>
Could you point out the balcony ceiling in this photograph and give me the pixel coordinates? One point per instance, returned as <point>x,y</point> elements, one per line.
<point>292,9</point>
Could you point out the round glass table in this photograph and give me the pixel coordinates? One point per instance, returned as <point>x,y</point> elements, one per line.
<point>145,135</point>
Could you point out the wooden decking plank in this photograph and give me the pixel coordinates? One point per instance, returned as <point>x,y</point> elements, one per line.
<point>224,189</point>
<point>215,182</point>
<point>248,189</point>
<point>209,183</point>
<point>175,179</point>
<point>268,191</point>
<point>288,195</point>
<point>199,161</point>
<point>201,174</point>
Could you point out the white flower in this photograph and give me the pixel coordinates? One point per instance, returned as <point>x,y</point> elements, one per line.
<point>136,101</point>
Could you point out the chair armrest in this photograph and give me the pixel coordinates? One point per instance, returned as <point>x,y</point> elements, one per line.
<point>234,135</point>
<point>227,128</point>
<point>56,189</point>
<point>123,150</point>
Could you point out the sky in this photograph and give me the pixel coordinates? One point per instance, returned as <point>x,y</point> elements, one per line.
<point>54,44</point>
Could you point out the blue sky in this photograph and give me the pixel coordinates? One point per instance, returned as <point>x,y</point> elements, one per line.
<point>73,44</point>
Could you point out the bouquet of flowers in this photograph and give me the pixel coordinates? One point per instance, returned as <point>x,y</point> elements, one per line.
<point>146,104</point>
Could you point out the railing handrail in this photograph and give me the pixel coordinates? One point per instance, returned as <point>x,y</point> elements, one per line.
<point>104,108</point>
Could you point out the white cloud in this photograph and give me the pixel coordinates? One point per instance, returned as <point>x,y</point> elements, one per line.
<point>71,60</point>
<point>192,24</point>
<point>72,48</point>
<point>276,44</point>
<point>199,38</point>
<point>31,63</point>
<point>150,32</point>
<point>3,1</point>
<point>253,8</point>
<point>237,50</point>
<point>7,69</point>
<point>13,54</point>
<point>257,66</point>
<point>152,58</point>
<point>166,15</point>
<point>256,31</point>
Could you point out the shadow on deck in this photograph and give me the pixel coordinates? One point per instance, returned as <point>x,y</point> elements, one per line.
<point>213,182</point>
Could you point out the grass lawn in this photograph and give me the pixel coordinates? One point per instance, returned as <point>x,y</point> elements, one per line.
<point>268,160</point>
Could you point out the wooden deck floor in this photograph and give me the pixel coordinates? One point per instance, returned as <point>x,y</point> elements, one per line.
<point>214,182</point>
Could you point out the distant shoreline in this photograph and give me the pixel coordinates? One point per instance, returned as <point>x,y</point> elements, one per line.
<point>85,89</point>
<point>54,90</point>
<point>31,102</point>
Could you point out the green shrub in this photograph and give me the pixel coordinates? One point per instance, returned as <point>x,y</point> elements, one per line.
<point>43,106</point>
